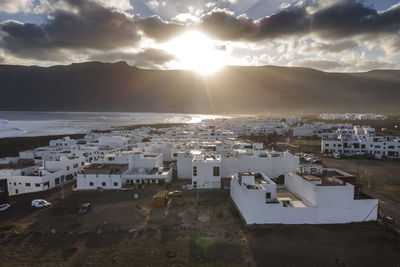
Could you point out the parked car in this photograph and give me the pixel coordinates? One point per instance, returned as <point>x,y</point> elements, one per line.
<point>310,159</point>
<point>336,155</point>
<point>40,203</point>
<point>388,218</point>
<point>4,207</point>
<point>175,193</point>
<point>84,208</point>
<point>316,161</point>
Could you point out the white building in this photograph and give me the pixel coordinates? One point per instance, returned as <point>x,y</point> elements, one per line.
<point>301,200</point>
<point>101,176</point>
<point>365,143</point>
<point>320,129</point>
<point>272,164</point>
<point>31,179</point>
<point>206,171</point>
<point>27,179</point>
<point>352,116</point>
<point>160,175</point>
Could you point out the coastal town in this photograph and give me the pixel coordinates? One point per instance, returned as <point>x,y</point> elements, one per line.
<point>257,164</point>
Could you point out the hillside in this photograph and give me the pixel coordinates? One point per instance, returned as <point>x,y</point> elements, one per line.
<point>95,86</point>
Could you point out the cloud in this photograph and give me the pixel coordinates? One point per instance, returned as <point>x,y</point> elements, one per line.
<point>186,18</point>
<point>332,47</point>
<point>122,5</point>
<point>15,6</point>
<point>316,64</point>
<point>355,61</point>
<point>352,18</point>
<point>93,26</point>
<point>337,21</point>
<point>154,27</point>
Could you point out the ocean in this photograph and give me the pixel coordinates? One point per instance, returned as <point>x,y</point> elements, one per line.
<point>27,123</point>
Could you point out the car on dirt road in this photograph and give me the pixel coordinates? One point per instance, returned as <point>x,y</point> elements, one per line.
<point>40,203</point>
<point>84,208</point>
<point>175,193</point>
<point>4,207</point>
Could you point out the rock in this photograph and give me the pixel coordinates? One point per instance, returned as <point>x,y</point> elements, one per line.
<point>99,231</point>
<point>171,254</point>
<point>53,231</point>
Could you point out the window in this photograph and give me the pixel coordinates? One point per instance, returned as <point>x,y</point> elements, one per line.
<point>27,184</point>
<point>37,185</point>
<point>103,183</point>
<point>91,183</point>
<point>115,184</point>
<point>194,170</point>
<point>268,195</point>
<point>67,168</point>
<point>216,171</point>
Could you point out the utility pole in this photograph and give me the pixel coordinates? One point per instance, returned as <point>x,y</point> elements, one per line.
<point>62,187</point>
<point>358,166</point>
<point>299,148</point>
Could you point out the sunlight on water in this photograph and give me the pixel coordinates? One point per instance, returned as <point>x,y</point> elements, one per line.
<point>22,123</point>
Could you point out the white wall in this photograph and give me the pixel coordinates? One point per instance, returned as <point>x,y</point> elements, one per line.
<point>84,181</point>
<point>205,174</point>
<point>330,204</point>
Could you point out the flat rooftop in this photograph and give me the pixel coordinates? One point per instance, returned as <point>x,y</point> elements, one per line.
<point>106,169</point>
<point>153,171</point>
<point>284,193</point>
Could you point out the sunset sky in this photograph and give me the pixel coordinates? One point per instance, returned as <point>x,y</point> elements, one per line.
<point>330,35</point>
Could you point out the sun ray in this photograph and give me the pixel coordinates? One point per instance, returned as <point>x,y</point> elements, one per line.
<point>196,51</point>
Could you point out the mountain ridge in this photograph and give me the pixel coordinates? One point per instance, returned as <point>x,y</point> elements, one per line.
<point>97,86</point>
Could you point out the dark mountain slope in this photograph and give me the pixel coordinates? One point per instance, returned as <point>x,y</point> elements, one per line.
<point>95,86</point>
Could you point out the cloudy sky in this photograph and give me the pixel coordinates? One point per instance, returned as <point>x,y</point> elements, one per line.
<point>331,35</point>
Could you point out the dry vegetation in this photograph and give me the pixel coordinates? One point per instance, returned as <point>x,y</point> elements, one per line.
<point>190,232</point>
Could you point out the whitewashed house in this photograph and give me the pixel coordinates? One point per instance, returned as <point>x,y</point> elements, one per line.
<point>101,176</point>
<point>206,171</point>
<point>31,179</point>
<point>307,199</point>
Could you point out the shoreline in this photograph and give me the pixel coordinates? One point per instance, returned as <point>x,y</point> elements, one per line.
<point>11,146</point>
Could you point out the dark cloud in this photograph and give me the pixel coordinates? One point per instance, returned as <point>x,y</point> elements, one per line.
<point>343,19</point>
<point>350,18</point>
<point>157,29</point>
<point>86,25</point>
<point>150,58</point>
<point>225,26</point>
<point>93,27</point>
<point>89,26</point>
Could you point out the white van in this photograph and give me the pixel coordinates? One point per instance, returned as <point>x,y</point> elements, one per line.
<point>40,203</point>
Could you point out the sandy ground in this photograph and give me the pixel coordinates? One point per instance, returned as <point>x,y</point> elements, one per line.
<point>380,179</point>
<point>189,232</point>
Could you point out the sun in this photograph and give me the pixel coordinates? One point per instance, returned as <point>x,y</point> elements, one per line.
<point>196,51</point>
